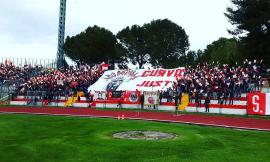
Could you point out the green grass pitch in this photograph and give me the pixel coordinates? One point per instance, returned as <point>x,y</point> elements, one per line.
<point>28,138</point>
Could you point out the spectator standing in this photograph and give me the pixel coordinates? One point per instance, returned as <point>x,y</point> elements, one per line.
<point>180,98</point>
<point>197,98</point>
<point>226,95</point>
<point>160,97</point>
<point>231,97</point>
<point>206,103</point>
<point>142,101</point>
<point>190,96</point>
<point>176,100</point>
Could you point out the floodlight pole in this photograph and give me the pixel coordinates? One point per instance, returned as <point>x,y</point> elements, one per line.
<point>61,34</point>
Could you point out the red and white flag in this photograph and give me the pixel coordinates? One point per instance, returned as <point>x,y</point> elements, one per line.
<point>104,66</point>
<point>259,104</point>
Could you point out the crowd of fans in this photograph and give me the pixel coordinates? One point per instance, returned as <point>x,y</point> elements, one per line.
<point>62,82</point>
<point>12,75</point>
<point>48,82</point>
<point>222,82</point>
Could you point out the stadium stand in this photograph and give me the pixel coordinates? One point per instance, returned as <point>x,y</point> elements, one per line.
<point>226,85</point>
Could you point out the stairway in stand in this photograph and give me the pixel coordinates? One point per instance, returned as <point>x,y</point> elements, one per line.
<point>184,102</point>
<point>70,101</point>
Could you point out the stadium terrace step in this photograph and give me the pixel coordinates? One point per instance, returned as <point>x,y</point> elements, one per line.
<point>128,102</point>
<point>235,102</point>
<point>165,106</point>
<point>22,100</point>
<point>236,99</point>
<point>62,99</point>
<point>238,108</point>
<point>70,101</point>
<point>217,110</point>
<point>219,106</point>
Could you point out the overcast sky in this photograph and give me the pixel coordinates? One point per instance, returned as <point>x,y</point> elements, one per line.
<point>28,28</point>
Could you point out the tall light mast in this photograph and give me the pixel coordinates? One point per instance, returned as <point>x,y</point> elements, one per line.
<point>61,34</point>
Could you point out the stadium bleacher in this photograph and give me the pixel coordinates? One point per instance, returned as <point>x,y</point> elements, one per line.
<point>222,83</point>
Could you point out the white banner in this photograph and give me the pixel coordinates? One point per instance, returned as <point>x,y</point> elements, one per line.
<point>142,80</point>
<point>151,98</point>
<point>259,104</point>
<point>267,111</point>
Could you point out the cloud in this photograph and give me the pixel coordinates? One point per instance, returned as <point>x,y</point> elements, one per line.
<point>29,27</point>
<point>27,21</point>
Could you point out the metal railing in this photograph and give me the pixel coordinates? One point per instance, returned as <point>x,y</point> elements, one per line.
<point>38,65</point>
<point>21,62</point>
<point>35,98</point>
<point>265,90</point>
<point>7,88</point>
<point>6,92</point>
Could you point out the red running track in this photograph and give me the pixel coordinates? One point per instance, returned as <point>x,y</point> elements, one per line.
<point>206,120</point>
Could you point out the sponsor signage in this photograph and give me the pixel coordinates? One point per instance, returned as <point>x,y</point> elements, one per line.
<point>151,98</point>
<point>99,95</point>
<point>132,96</point>
<point>117,94</point>
<point>259,104</point>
